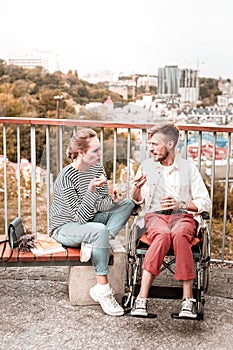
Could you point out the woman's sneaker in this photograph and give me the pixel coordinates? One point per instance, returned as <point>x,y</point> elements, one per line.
<point>188,308</point>
<point>108,303</point>
<point>140,307</point>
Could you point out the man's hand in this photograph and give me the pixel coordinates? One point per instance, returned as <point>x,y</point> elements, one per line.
<point>169,202</point>
<point>139,180</point>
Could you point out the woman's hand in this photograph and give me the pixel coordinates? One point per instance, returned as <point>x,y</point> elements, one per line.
<point>120,192</point>
<point>97,182</point>
<point>115,198</point>
<point>118,196</point>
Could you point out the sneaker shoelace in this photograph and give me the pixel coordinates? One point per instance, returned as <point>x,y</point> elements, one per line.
<point>110,298</point>
<point>187,305</point>
<point>141,303</point>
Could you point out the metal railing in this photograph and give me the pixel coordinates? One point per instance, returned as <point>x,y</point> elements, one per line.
<point>26,185</point>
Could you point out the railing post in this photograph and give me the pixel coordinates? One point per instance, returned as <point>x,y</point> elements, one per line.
<point>5,179</point>
<point>48,187</point>
<point>199,150</point>
<point>128,158</point>
<point>226,195</point>
<point>144,140</point>
<point>212,178</point>
<point>18,170</point>
<point>33,177</point>
<point>114,155</point>
<point>60,147</point>
<point>102,145</point>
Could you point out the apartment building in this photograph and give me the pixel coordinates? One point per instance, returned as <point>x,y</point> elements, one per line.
<point>175,84</point>
<point>226,87</point>
<point>46,59</point>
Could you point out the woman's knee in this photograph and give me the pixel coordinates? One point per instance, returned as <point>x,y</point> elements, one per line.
<point>100,228</point>
<point>100,235</point>
<point>128,203</point>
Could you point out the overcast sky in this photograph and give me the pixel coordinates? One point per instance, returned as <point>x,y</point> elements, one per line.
<point>130,36</point>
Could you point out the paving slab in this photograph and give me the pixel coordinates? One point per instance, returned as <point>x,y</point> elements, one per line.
<point>36,314</point>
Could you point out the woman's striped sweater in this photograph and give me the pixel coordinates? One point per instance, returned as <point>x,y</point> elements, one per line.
<point>72,201</point>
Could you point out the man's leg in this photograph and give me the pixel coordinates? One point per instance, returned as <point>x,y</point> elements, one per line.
<point>188,304</point>
<point>183,231</point>
<point>146,282</point>
<point>158,235</point>
<point>140,306</point>
<point>187,289</point>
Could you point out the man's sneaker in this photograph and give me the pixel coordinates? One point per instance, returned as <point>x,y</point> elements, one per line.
<point>140,307</point>
<point>188,308</point>
<point>108,303</point>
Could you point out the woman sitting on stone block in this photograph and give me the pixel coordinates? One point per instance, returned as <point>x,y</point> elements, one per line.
<point>83,212</point>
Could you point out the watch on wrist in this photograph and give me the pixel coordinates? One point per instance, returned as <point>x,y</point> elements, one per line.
<point>183,205</point>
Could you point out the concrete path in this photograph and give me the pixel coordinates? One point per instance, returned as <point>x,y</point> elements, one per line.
<point>36,314</point>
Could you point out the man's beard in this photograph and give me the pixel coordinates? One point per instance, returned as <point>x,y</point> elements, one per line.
<point>162,157</point>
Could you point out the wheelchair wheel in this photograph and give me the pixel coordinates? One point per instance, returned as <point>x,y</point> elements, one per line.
<point>131,244</point>
<point>125,302</point>
<point>200,309</point>
<point>205,261</point>
<point>134,272</point>
<point>205,279</point>
<point>131,251</point>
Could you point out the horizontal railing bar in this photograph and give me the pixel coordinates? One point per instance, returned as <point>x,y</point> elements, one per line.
<point>221,261</point>
<point>111,124</point>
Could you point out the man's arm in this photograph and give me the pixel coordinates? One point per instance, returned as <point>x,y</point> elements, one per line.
<point>200,196</point>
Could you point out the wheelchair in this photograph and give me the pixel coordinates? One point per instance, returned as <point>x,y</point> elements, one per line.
<point>137,246</point>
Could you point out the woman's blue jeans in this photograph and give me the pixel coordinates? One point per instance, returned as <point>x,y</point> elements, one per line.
<point>97,232</point>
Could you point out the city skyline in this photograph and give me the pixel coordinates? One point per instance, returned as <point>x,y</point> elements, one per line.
<point>134,36</point>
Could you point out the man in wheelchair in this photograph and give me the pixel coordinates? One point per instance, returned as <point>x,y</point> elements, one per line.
<point>170,192</point>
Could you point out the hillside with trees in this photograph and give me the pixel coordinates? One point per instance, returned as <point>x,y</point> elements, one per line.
<point>30,92</point>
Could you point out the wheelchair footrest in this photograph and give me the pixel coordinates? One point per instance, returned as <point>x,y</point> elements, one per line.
<point>127,313</point>
<point>176,316</point>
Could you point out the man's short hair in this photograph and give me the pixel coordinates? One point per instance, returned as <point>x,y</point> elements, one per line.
<point>169,130</point>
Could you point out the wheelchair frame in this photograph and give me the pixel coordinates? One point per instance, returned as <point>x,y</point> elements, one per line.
<point>136,251</point>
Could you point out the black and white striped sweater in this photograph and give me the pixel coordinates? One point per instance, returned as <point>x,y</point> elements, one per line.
<point>72,201</point>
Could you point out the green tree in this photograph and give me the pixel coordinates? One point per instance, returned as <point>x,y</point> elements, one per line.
<point>209,91</point>
<point>219,198</point>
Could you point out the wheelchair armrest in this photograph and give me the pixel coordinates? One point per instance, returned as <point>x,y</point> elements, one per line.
<point>136,210</point>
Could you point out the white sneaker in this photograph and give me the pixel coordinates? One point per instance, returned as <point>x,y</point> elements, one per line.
<point>188,308</point>
<point>108,303</point>
<point>140,307</point>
